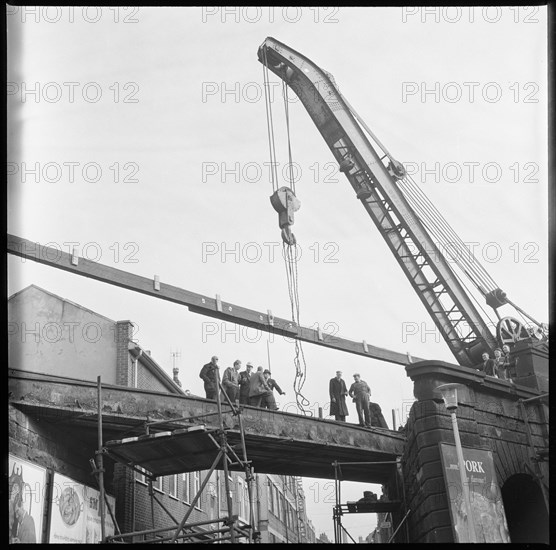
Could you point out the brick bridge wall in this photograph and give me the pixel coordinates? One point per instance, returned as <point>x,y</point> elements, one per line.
<point>489,417</point>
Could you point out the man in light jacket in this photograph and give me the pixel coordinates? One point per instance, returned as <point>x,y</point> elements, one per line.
<point>244,377</point>
<point>258,388</point>
<point>230,382</point>
<point>361,393</point>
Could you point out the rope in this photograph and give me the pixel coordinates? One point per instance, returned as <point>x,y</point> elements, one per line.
<point>289,251</point>
<point>287,111</point>
<point>432,218</point>
<point>270,127</point>
<point>445,228</point>
<point>440,229</point>
<point>473,297</point>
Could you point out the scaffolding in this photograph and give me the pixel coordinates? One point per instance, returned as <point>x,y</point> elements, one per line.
<point>365,506</point>
<point>151,454</point>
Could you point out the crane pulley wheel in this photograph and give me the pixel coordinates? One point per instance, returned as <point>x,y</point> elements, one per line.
<point>510,330</point>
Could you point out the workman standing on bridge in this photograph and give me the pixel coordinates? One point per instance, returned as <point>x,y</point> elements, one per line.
<point>361,393</point>
<point>244,377</point>
<point>499,364</point>
<point>208,375</point>
<point>338,392</point>
<point>509,363</point>
<point>267,402</point>
<point>230,382</point>
<point>258,389</point>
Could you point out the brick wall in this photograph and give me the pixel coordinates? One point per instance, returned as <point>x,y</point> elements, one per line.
<point>124,332</point>
<point>147,381</point>
<point>489,417</point>
<point>175,505</point>
<point>66,452</point>
<point>43,444</point>
<point>424,478</point>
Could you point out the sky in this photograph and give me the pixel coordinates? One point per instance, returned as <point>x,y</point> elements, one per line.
<point>140,135</point>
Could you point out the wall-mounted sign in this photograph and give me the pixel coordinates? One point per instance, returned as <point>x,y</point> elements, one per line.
<point>75,512</point>
<point>488,514</point>
<point>26,498</point>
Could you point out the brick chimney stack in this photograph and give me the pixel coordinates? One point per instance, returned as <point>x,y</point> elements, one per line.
<point>176,379</point>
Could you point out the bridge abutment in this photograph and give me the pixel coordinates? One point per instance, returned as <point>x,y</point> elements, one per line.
<point>495,423</point>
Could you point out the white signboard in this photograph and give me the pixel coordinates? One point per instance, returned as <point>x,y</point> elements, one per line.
<point>75,513</point>
<point>26,498</point>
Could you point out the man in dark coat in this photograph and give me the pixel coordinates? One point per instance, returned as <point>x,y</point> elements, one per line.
<point>377,418</point>
<point>244,377</point>
<point>338,392</point>
<point>488,365</point>
<point>208,375</point>
<point>269,402</point>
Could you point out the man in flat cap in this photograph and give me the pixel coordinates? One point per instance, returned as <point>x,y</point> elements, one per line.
<point>209,376</point>
<point>338,392</point>
<point>361,393</point>
<point>269,402</point>
<point>244,377</point>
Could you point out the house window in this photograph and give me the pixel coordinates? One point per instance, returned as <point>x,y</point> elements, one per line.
<point>140,476</point>
<point>280,504</point>
<point>186,494</point>
<point>291,516</point>
<point>246,513</point>
<point>271,498</point>
<point>158,484</point>
<point>196,488</point>
<point>196,482</point>
<point>241,499</point>
<point>287,518</point>
<point>173,485</point>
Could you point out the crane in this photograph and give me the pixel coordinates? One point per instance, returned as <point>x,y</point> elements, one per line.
<point>404,216</point>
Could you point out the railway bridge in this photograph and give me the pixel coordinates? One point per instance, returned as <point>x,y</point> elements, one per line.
<point>504,423</point>
<point>277,442</point>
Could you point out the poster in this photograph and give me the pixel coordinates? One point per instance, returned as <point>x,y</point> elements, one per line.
<point>26,494</point>
<point>487,507</point>
<point>75,512</point>
<point>92,518</point>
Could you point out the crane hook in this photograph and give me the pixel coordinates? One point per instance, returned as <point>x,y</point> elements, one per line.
<point>285,203</point>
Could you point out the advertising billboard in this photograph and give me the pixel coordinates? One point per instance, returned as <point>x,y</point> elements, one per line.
<point>489,518</point>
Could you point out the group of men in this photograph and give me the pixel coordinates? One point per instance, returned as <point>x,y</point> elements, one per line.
<point>502,366</point>
<point>359,391</point>
<point>247,387</point>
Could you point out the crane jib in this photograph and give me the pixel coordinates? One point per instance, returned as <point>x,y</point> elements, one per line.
<point>375,176</point>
